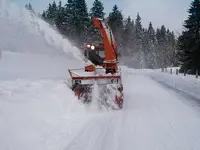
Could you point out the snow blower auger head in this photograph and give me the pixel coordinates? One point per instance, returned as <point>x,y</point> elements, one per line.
<point>101,67</point>
<point>110,89</point>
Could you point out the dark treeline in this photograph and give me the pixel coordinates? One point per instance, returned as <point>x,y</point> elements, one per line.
<point>147,47</point>
<point>189,42</point>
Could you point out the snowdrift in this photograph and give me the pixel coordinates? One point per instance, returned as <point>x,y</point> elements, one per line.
<point>14,65</point>
<point>37,109</point>
<point>39,112</point>
<point>188,84</point>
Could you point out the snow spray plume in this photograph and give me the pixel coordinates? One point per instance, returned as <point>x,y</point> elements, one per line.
<point>23,31</point>
<point>95,98</point>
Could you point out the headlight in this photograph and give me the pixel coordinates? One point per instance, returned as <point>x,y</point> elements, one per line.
<point>92,47</point>
<point>88,46</point>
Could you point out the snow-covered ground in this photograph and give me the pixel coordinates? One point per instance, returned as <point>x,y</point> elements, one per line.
<point>15,65</point>
<point>42,113</point>
<point>188,84</point>
<point>154,118</point>
<point>39,112</point>
<point>37,109</point>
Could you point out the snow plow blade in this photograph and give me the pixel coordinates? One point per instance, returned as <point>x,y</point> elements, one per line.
<point>110,89</point>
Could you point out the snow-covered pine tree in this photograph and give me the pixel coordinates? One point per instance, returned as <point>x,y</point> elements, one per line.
<point>51,13</point>
<point>152,53</point>
<point>171,48</point>
<point>115,21</point>
<point>44,15</point>
<point>146,48</point>
<point>162,46</point>
<point>29,7</point>
<point>138,48</point>
<point>81,20</point>
<point>97,10</point>
<point>189,41</point>
<point>60,17</point>
<point>128,37</point>
<point>69,22</point>
<point>144,45</point>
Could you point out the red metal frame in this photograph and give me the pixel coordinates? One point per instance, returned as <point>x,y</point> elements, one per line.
<point>93,77</point>
<point>118,99</point>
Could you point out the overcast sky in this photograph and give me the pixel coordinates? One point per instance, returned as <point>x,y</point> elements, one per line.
<point>171,13</point>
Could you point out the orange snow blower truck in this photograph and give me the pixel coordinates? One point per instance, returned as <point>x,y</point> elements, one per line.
<point>101,68</point>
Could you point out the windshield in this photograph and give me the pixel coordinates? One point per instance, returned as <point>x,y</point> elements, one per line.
<point>101,54</point>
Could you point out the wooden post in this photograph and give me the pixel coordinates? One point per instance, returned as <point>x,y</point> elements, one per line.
<point>176,71</point>
<point>171,71</point>
<point>184,72</point>
<point>197,74</point>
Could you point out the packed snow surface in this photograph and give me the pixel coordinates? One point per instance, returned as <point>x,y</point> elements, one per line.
<point>44,114</point>
<point>188,84</point>
<point>153,118</point>
<point>39,112</point>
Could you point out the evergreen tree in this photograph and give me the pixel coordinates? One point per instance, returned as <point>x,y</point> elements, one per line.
<point>51,13</point>
<point>115,21</point>
<point>146,48</point>
<point>128,37</point>
<point>81,20</point>
<point>70,29</point>
<point>139,34</point>
<point>97,10</point>
<point>162,46</point>
<point>189,41</point>
<point>151,33</point>
<point>157,49</point>
<point>152,53</point>
<point>29,7</point>
<point>60,16</point>
<point>44,15</point>
<point>183,54</point>
<point>171,49</point>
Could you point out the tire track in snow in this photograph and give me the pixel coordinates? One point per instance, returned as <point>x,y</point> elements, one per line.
<point>153,118</point>
<point>99,133</point>
<point>194,101</point>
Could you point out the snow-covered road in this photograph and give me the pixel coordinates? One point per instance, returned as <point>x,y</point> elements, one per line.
<point>40,112</point>
<point>153,118</point>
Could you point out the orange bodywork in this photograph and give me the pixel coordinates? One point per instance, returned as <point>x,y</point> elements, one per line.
<point>81,84</point>
<point>108,43</point>
<point>90,68</point>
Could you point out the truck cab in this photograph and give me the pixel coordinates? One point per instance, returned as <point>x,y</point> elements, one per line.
<point>95,53</point>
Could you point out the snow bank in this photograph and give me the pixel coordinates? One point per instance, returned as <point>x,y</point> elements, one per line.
<point>38,114</point>
<point>28,66</point>
<point>188,84</point>
<point>37,109</point>
<point>153,118</point>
